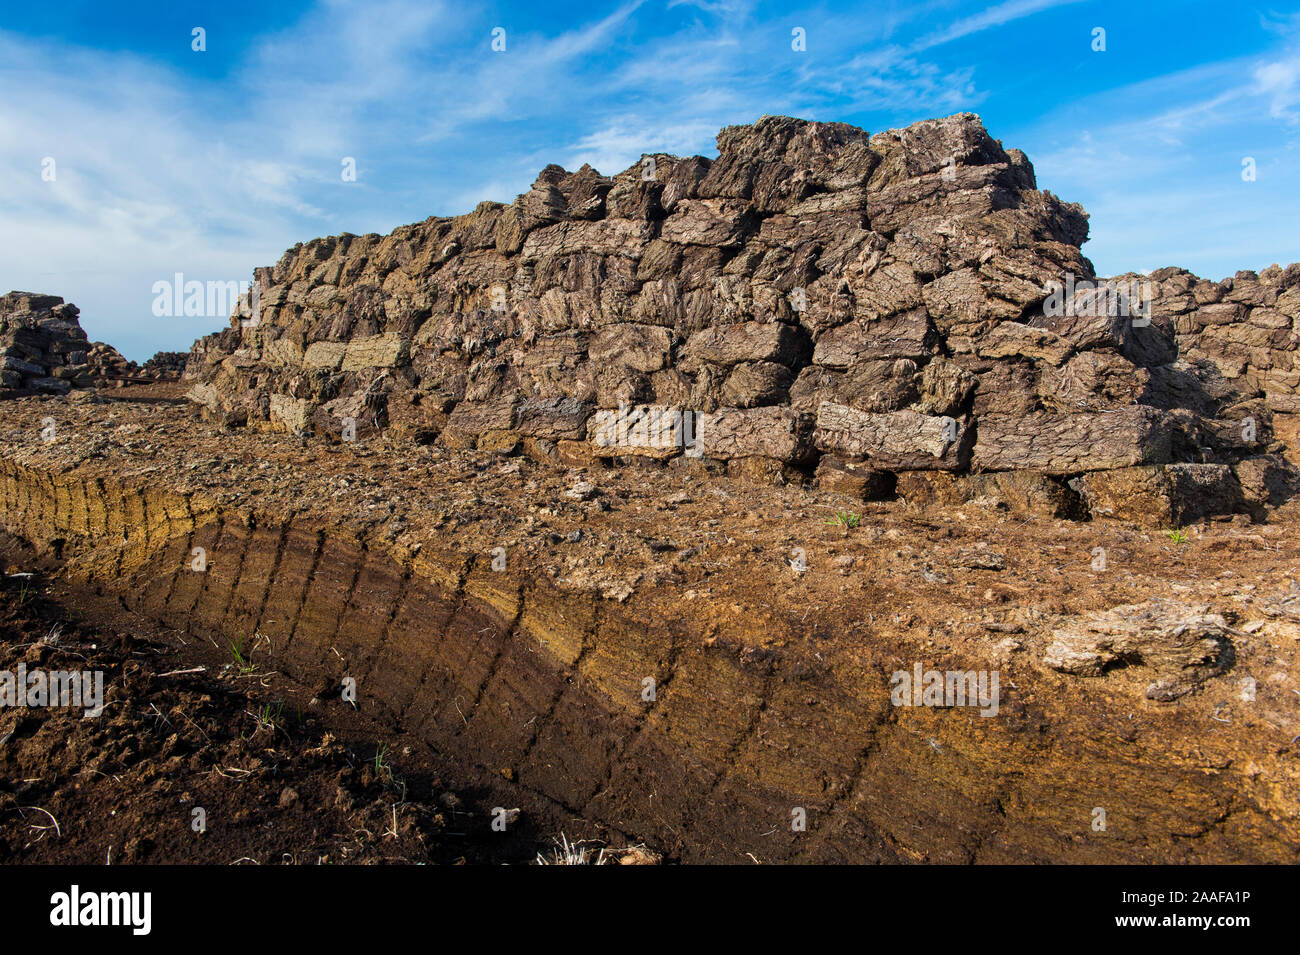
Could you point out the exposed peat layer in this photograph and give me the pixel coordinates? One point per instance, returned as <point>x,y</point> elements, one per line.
<point>198,758</point>
<point>649,655</point>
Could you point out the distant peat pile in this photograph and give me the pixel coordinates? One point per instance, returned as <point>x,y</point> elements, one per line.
<point>44,350</point>
<point>903,314</point>
<point>43,345</point>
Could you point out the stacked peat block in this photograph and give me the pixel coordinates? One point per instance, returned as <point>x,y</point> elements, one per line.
<point>44,350</point>
<point>42,345</point>
<point>1243,328</point>
<point>884,314</point>
<point>108,367</point>
<point>165,366</point>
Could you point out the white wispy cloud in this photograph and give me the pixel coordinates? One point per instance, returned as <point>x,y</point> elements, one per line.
<point>142,188</point>
<point>995,16</point>
<point>1280,82</point>
<point>1158,164</point>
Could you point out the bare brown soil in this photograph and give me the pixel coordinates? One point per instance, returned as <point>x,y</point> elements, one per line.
<point>279,775</point>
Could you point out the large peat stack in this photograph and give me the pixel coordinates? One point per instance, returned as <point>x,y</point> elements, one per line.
<point>904,312</point>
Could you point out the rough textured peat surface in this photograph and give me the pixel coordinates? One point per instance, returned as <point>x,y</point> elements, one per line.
<point>639,496</point>
<point>772,685</point>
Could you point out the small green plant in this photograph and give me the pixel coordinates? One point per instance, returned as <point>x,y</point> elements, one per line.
<point>268,717</point>
<point>1178,535</point>
<point>239,654</point>
<point>383,771</point>
<point>845,519</point>
<point>386,775</point>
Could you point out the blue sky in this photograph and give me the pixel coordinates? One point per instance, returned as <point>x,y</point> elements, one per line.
<point>210,163</point>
